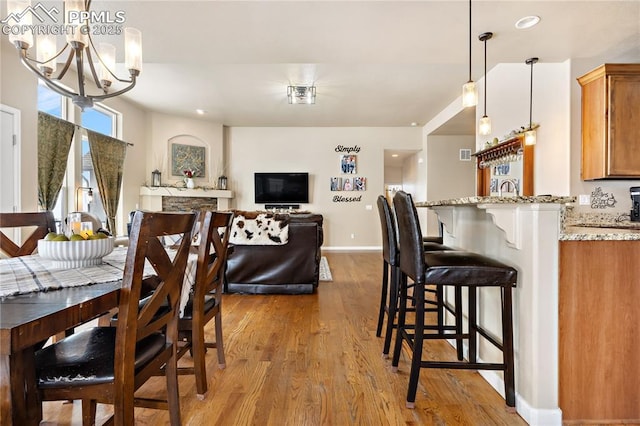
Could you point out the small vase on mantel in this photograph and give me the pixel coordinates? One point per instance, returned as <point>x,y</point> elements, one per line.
<point>189,183</point>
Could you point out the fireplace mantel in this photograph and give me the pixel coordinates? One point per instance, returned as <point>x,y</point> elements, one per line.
<point>151,197</point>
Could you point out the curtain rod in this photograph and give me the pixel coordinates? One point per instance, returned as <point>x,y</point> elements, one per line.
<point>79,127</point>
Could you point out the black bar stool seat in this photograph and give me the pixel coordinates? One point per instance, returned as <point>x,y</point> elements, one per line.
<point>472,269</point>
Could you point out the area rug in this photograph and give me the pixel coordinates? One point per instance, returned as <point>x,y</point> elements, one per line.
<point>325,272</point>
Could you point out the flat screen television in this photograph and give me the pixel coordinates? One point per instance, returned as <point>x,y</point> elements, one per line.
<point>281,188</point>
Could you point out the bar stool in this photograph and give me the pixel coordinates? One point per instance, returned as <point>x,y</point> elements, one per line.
<point>390,256</point>
<point>449,268</point>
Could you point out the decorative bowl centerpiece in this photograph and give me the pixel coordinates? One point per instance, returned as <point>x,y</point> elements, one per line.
<point>74,254</point>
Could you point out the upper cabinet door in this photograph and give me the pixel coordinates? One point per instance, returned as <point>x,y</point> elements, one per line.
<point>611,122</point>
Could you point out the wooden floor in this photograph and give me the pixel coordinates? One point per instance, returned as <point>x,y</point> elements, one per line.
<point>315,360</point>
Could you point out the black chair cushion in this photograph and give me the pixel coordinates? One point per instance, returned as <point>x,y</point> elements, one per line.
<point>209,303</point>
<point>87,358</point>
<point>430,246</point>
<point>466,268</point>
<point>437,240</point>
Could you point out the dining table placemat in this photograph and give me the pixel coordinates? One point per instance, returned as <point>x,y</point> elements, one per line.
<point>28,274</point>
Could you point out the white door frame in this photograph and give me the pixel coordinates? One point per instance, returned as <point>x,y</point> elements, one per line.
<point>16,153</point>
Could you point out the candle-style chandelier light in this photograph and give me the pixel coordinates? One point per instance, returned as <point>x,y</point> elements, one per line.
<point>99,61</point>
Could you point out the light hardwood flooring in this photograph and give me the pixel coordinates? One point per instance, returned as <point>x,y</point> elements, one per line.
<point>315,360</point>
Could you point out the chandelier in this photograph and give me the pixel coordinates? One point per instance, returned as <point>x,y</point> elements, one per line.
<point>98,61</point>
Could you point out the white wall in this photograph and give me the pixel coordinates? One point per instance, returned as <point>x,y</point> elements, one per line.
<point>162,128</point>
<point>312,149</point>
<point>447,176</point>
<point>508,107</point>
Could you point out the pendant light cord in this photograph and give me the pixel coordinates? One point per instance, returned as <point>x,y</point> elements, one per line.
<point>531,61</point>
<point>531,97</point>
<point>485,77</point>
<point>470,41</point>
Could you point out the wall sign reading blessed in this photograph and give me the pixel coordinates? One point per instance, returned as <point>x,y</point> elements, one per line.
<point>341,199</point>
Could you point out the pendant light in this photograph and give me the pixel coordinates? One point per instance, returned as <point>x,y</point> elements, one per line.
<point>484,126</point>
<point>469,90</point>
<point>530,135</point>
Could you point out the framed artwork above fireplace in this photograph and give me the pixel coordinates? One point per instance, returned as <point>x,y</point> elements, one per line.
<point>188,157</point>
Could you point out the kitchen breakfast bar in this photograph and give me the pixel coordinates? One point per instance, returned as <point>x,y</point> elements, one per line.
<point>575,326</point>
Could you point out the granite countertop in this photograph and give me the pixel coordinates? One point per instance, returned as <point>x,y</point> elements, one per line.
<point>575,226</point>
<point>475,200</point>
<point>599,227</point>
<point>588,233</point>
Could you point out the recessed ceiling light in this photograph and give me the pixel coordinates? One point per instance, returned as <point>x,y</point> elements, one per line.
<point>394,155</point>
<point>414,124</point>
<point>527,22</point>
<point>201,111</point>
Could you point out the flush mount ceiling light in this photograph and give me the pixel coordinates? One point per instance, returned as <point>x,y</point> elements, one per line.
<point>469,90</point>
<point>301,94</point>
<point>79,45</point>
<point>530,135</point>
<point>484,126</point>
<point>527,22</point>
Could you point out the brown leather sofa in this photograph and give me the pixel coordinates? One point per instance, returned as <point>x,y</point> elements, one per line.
<point>291,268</point>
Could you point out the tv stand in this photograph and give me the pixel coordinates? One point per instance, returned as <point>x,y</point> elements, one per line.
<point>282,206</point>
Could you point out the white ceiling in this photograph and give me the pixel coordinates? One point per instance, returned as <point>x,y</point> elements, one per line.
<point>374,63</point>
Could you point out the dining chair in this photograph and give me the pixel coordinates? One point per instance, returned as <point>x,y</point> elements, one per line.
<point>204,302</point>
<point>108,364</point>
<point>44,223</point>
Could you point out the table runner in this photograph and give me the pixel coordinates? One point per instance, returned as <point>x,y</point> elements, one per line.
<point>28,274</point>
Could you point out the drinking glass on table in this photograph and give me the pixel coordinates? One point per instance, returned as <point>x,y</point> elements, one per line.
<point>74,221</point>
<point>86,229</point>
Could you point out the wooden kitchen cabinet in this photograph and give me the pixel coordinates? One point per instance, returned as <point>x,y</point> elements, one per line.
<point>611,122</point>
<point>599,343</point>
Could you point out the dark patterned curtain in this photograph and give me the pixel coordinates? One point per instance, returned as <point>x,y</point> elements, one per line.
<point>107,155</point>
<point>54,142</point>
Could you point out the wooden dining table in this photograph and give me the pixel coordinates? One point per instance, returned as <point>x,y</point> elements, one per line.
<point>29,318</point>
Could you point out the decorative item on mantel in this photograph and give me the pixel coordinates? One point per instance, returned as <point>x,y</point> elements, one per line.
<point>156,178</point>
<point>188,178</point>
<point>222,182</point>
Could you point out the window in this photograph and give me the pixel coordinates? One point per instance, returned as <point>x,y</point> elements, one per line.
<point>80,173</point>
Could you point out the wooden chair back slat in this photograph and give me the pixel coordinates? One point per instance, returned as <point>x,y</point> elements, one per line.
<point>134,323</point>
<point>43,221</point>
<point>214,231</point>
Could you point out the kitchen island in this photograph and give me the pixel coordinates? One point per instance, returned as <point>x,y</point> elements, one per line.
<point>523,232</point>
<point>553,314</point>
